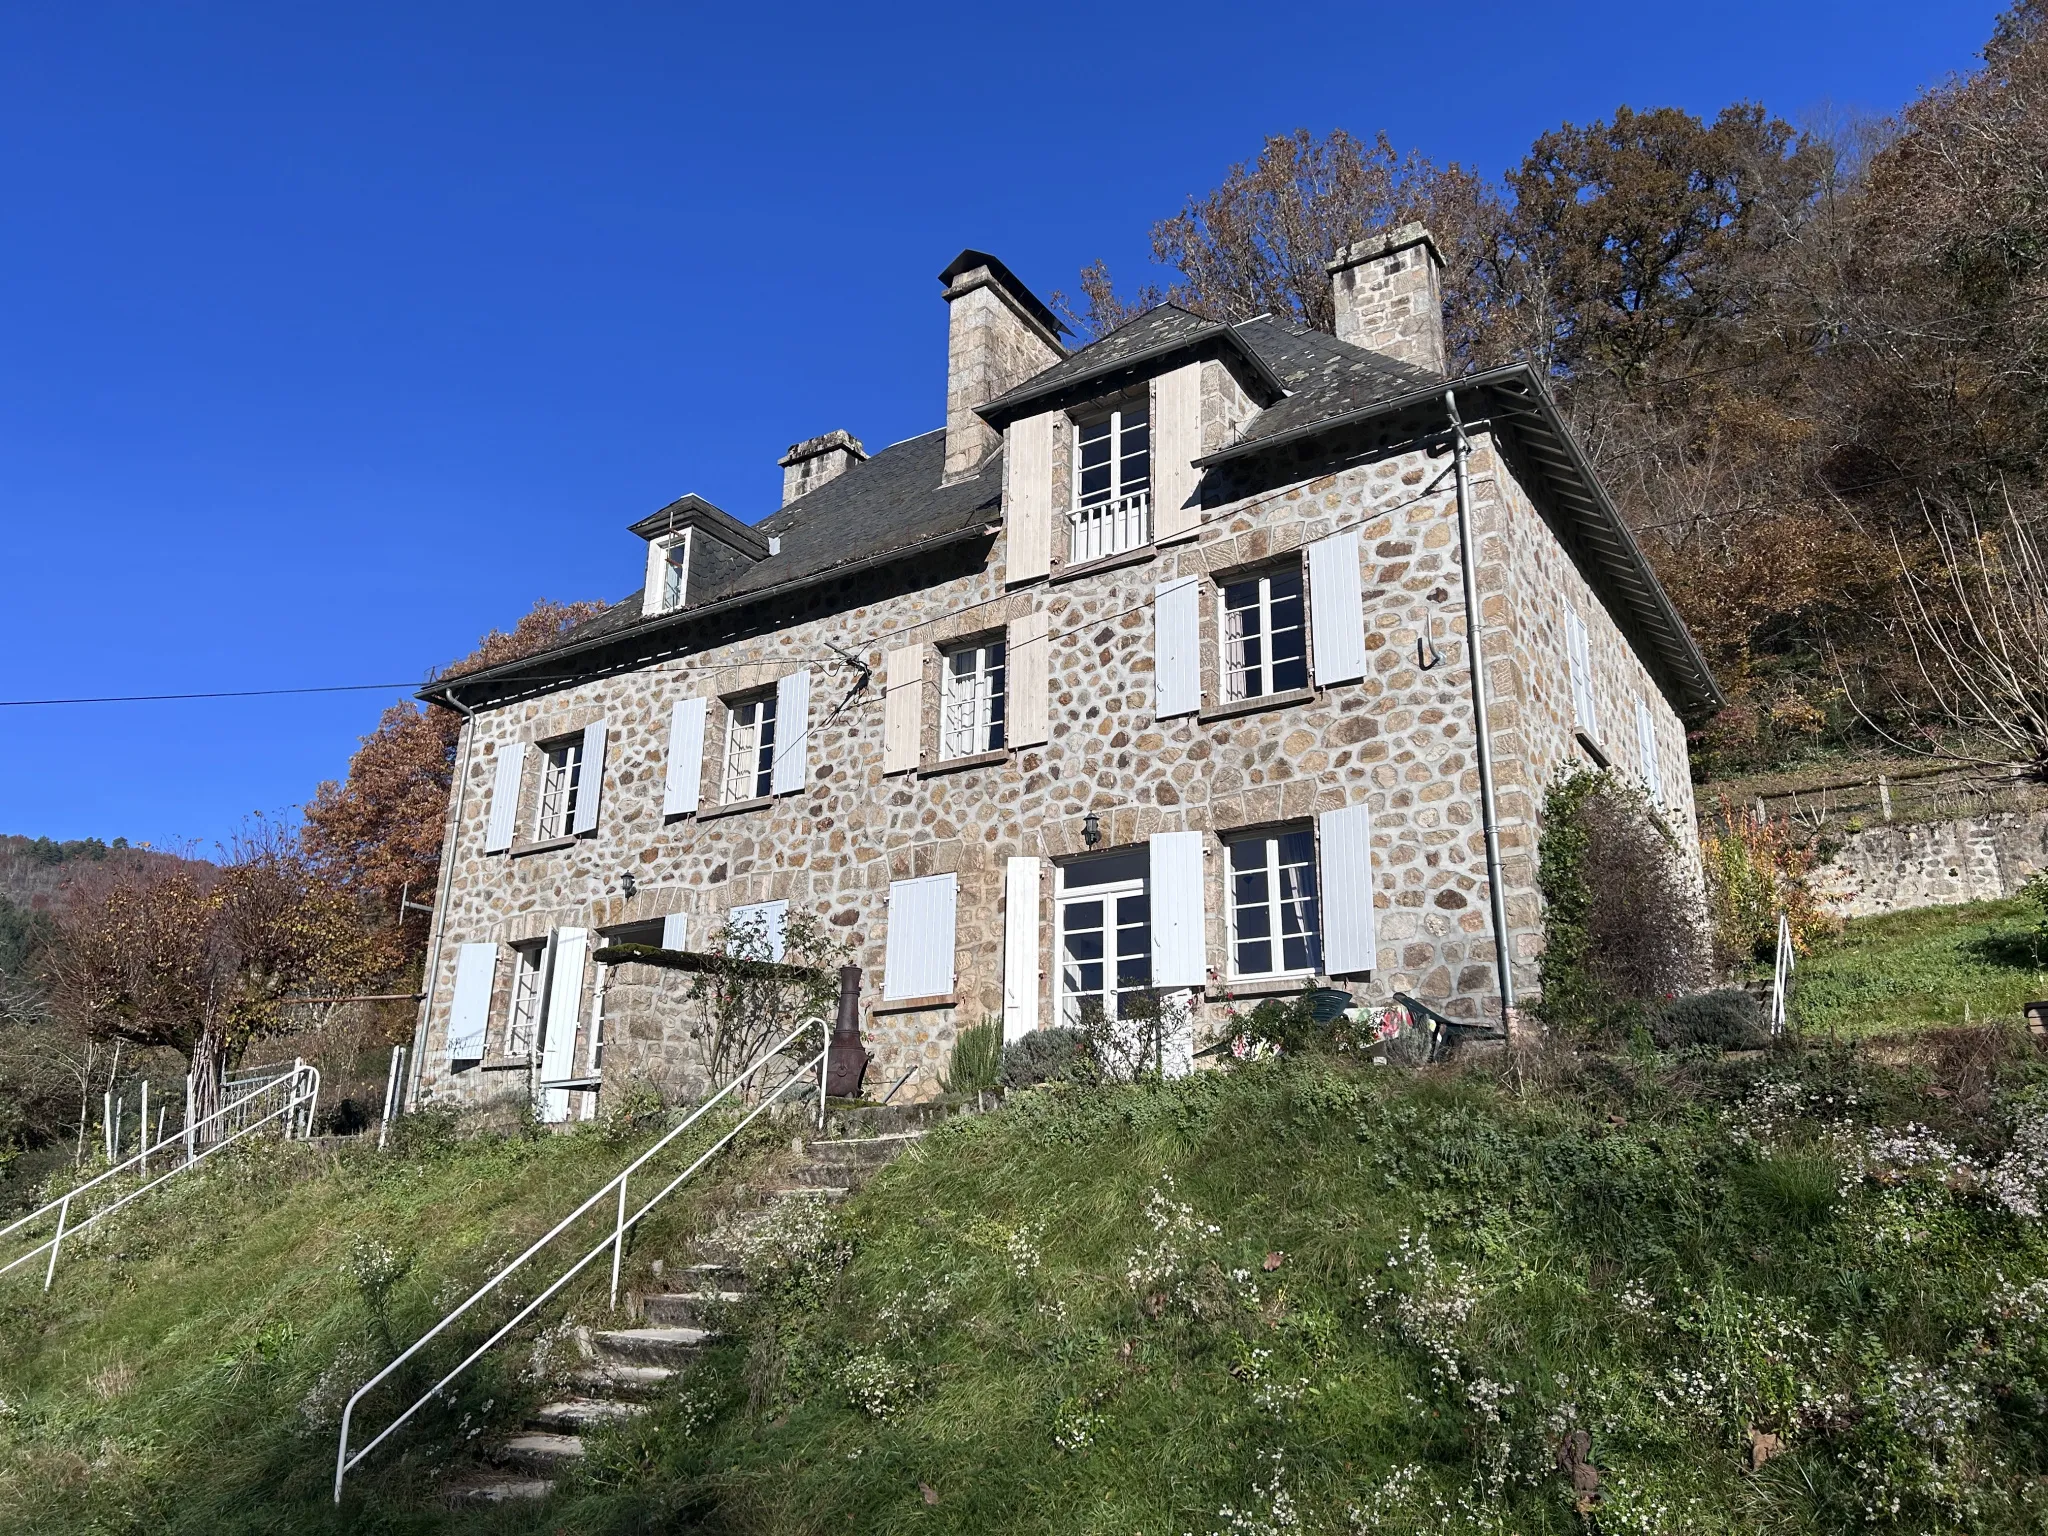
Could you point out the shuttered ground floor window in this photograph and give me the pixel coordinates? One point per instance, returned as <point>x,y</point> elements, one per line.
<point>1275,927</point>
<point>529,971</point>
<point>1105,935</point>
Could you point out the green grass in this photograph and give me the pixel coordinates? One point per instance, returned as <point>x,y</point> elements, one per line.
<point>1917,969</point>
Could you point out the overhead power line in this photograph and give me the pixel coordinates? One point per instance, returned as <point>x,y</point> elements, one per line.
<point>227,693</point>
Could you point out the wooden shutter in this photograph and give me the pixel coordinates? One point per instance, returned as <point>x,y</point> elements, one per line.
<point>1179,957</point>
<point>571,948</point>
<point>1646,748</point>
<point>684,781</point>
<point>1350,929</point>
<point>919,962</point>
<point>772,918</point>
<point>792,734</point>
<point>1177,641</point>
<point>590,778</point>
<point>1021,918</point>
<point>504,822</point>
<point>1336,609</point>
<point>1176,444</point>
<point>469,1016</point>
<point>675,928</point>
<point>902,709</point>
<point>1028,448</point>
<point>1579,657</point>
<point>1029,661</point>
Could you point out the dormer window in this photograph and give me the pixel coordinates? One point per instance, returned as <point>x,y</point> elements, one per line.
<point>1112,482</point>
<point>675,576</point>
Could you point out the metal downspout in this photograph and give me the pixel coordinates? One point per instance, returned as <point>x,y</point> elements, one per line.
<point>454,836</point>
<point>1488,812</point>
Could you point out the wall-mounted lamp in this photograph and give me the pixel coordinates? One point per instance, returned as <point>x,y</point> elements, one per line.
<point>1091,830</point>
<point>628,884</point>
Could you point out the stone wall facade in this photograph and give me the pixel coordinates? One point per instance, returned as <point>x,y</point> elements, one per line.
<point>1400,741</point>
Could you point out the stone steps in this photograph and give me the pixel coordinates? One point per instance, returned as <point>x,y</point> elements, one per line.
<point>623,1369</point>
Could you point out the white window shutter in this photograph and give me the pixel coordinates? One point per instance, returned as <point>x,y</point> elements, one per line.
<point>590,778</point>
<point>564,1013</point>
<point>1021,918</point>
<point>1579,657</point>
<point>770,917</point>
<point>684,780</point>
<point>1028,448</point>
<point>1179,954</point>
<point>902,708</point>
<point>1176,444</point>
<point>1336,608</point>
<point>1646,748</point>
<point>1028,657</point>
<point>919,962</point>
<point>504,821</point>
<point>792,734</point>
<point>1177,641</point>
<point>675,929</point>
<point>1350,928</point>
<point>469,1016</point>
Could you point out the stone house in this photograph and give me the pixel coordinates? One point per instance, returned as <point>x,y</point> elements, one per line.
<point>1148,670</point>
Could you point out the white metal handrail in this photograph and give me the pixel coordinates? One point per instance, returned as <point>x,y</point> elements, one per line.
<point>344,1463</point>
<point>301,1085</point>
<point>1106,528</point>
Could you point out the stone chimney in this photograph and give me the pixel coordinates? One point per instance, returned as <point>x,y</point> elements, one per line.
<point>998,334</point>
<point>1389,293</point>
<point>810,463</point>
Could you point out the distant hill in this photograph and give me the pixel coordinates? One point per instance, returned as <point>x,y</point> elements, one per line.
<point>35,871</point>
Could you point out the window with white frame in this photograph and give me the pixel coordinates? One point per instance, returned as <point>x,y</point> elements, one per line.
<point>1112,482</point>
<point>1646,751</point>
<point>749,748</point>
<point>1265,642</point>
<point>1275,923</point>
<point>675,572</point>
<point>1105,935</point>
<point>561,778</point>
<point>974,700</point>
<point>1578,649</point>
<point>529,971</point>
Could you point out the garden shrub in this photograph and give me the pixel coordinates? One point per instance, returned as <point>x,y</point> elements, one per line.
<point>1727,1018</point>
<point>1624,926</point>
<point>1755,872</point>
<point>1047,1056</point>
<point>977,1063</point>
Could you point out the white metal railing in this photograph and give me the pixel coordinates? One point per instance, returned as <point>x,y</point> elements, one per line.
<point>1110,527</point>
<point>344,1462</point>
<point>289,1096</point>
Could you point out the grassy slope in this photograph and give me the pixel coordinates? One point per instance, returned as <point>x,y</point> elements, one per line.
<point>188,1370</point>
<point>1909,970</point>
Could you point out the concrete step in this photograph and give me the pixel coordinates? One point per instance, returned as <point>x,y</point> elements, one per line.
<point>539,1451</point>
<point>604,1379</point>
<point>494,1488</point>
<point>833,1192</point>
<point>573,1415</point>
<point>882,1119</point>
<point>870,1150</point>
<point>696,1309</point>
<point>674,1346</point>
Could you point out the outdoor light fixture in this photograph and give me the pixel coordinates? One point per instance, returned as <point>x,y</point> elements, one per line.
<point>1091,830</point>
<point>627,883</point>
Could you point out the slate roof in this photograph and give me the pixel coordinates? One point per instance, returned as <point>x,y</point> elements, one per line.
<point>893,506</point>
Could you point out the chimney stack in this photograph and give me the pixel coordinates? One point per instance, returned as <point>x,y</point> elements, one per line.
<point>998,334</point>
<point>810,463</point>
<point>1389,294</point>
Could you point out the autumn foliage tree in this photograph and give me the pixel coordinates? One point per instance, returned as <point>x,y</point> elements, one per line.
<point>377,833</point>
<point>205,959</point>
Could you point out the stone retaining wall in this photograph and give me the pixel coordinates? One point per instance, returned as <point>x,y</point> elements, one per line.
<point>1934,864</point>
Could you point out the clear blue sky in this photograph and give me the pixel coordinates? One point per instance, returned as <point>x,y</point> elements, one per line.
<point>332,336</point>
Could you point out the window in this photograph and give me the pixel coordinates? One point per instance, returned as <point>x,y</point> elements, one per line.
<point>757,932</point>
<point>560,781</point>
<point>1275,927</point>
<point>750,748</point>
<point>529,968</point>
<point>1112,483</point>
<point>1105,935</point>
<point>1578,650</point>
<point>1265,646</point>
<point>975,689</point>
<point>675,573</point>
<point>1646,751</point>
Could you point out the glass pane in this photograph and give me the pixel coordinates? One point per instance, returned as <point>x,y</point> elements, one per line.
<point>1106,869</point>
<point>1289,638</point>
<point>1254,958</point>
<point>1094,462</point>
